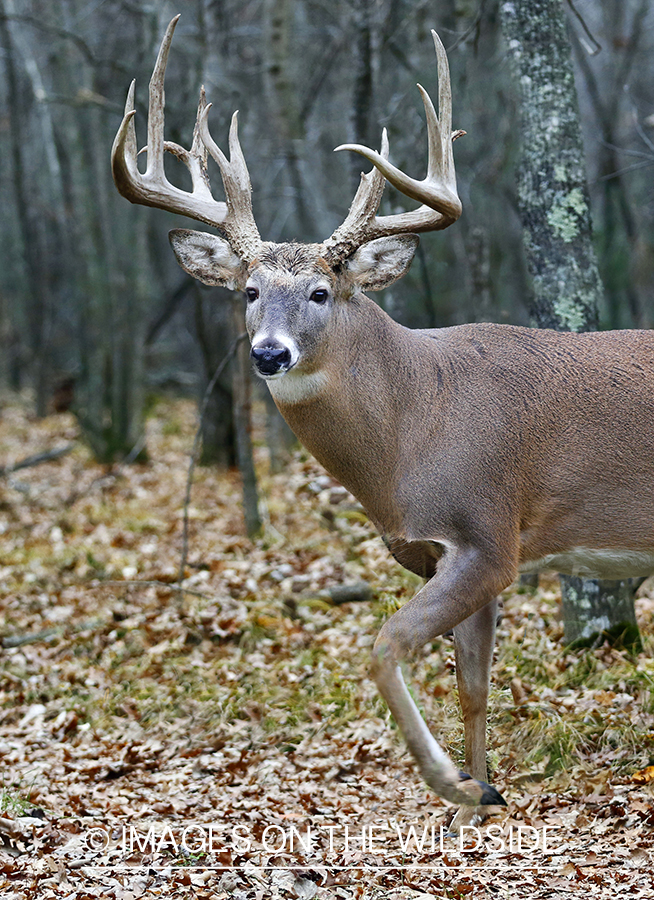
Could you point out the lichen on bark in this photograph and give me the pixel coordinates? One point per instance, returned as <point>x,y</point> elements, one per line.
<point>552,191</point>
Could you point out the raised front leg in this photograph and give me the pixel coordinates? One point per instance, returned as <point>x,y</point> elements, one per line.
<point>466,582</point>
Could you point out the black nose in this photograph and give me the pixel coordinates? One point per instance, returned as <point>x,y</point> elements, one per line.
<point>271,358</point>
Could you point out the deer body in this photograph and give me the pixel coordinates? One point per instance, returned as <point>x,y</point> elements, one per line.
<point>551,458</point>
<point>478,451</point>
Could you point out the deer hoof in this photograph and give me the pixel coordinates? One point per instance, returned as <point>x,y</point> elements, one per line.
<point>489,795</point>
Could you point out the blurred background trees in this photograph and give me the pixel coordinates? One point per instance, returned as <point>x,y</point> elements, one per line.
<point>93,307</point>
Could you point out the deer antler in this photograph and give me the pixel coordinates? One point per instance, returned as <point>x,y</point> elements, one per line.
<point>437,192</point>
<point>234,218</point>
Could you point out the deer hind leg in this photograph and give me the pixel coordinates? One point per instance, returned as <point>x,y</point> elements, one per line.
<point>474,640</point>
<point>466,581</point>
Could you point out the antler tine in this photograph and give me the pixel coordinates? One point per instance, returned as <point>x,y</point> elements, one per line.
<point>444,93</point>
<point>156,105</point>
<point>198,148</point>
<point>124,150</point>
<point>152,188</point>
<point>437,192</point>
<point>196,160</point>
<point>239,222</point>
<point>352,232</point>
<point>131,147</point>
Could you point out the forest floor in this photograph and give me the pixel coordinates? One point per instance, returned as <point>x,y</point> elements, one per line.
<point>227,740</point>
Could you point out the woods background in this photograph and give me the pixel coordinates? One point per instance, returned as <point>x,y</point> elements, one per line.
<point>93,308</point>
<point>160,668</point>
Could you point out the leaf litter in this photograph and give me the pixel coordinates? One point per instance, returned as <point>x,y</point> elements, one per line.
<point>226,740</point>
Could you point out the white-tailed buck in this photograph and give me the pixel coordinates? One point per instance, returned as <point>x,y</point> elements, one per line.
<point>478,451</point>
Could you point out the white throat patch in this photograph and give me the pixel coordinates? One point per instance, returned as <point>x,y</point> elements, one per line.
<point>294,387</point>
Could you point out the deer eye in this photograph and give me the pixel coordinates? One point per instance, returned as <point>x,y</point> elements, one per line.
<point>319,296</point>
<point>251,294</point>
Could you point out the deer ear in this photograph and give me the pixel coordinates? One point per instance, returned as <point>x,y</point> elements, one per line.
<point>379,263</point>
<point>207,257</point>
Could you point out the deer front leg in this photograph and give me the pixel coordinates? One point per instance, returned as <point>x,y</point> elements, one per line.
<point>466,581</point>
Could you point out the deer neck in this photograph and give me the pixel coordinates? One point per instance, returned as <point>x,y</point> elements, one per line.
<point>346,412</point>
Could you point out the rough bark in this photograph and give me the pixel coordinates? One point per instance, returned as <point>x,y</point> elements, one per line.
<point>552,191</point>
<point>554,208</point>
<point>215,333</point>
<point>282,94</point>
<point>243,424</point>
<point>594,611</point>
<point>279,437</point>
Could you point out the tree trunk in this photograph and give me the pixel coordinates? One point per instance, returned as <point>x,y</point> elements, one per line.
<point>214,326</point>
<point>618,233</point>
<point>279,437</point>
<point>30,218</point>
<point>552,192</point>
<point>282,94</point>
<point>594,611</point>
<point>555,213</point>
<point>243,424</point>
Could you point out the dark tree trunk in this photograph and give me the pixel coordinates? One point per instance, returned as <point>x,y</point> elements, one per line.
<point>282,93</point>
<point>617,222</point>
<point>597,610</point>
<point>363,83</point>
<point>243,424</point>
<point>554,208</point>
<point>215,333</point>
<point>279,437</point>
<point>37,290</point>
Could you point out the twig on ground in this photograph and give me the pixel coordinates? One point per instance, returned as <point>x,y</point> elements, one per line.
<point>462,38</point>
<point>18,640</point>
<point>171,586</point>
<point>37,458</point>
<point>77,493</point>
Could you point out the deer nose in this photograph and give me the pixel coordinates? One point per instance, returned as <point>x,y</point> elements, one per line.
<point>271,358</point>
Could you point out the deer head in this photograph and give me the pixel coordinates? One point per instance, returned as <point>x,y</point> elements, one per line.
<point>294,292</point>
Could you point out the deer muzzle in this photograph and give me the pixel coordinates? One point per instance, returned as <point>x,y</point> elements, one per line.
<point>271,358</point>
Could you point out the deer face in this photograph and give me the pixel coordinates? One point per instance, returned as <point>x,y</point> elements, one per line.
<point>291,293</point>
<point>295,299</point>
<point>296,292</point>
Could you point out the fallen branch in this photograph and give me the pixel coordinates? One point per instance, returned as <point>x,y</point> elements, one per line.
<point>37,459</point>
<point>358,592</point>
<point>114,471</point>
<point>17,640</point>
<point>171,586</point>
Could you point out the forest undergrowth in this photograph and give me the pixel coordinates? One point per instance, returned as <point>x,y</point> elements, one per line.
<point>164,739</point>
